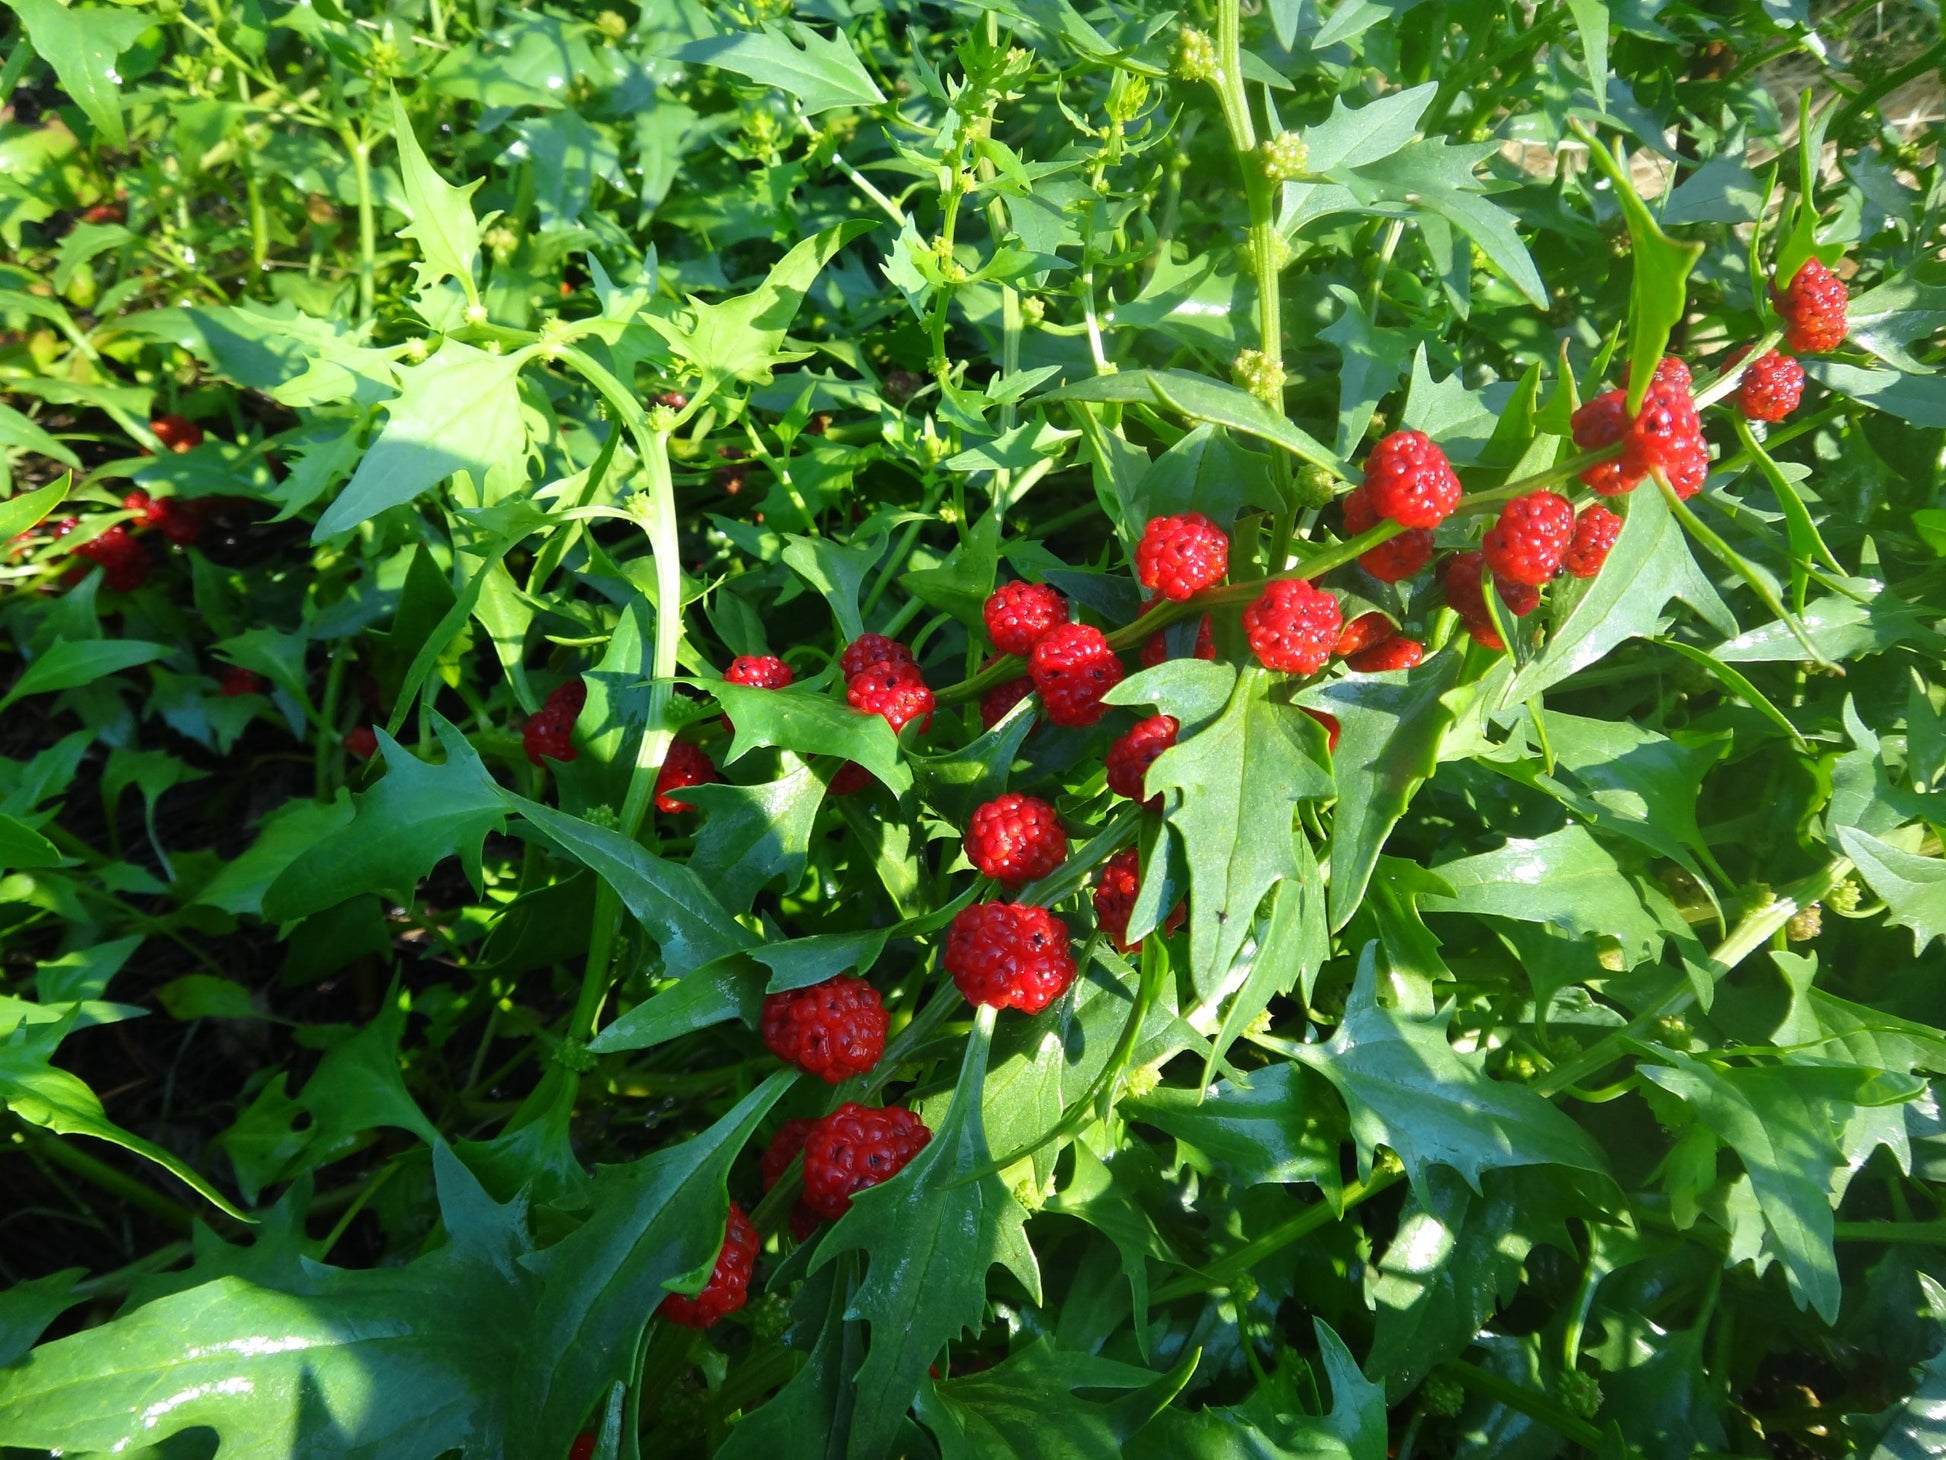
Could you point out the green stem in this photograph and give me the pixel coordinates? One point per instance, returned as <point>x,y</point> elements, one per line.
<point>1535,1406</point>
<point>1221,1272</point>
<point>125,1189</point>
<point>1677,993</point>
<point>1264,242</point>
<point>360,148</point>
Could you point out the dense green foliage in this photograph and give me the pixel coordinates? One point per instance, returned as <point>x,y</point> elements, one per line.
<point>1545,1067</point>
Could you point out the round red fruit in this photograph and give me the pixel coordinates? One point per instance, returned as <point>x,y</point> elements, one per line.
<point>238,681</point>
<point>834,1030</point>
<point>869,649</point>
<point>759,671</point>
<point>1397,558</point>
<point>685,765</point>
<point>1009,956</point>
<point>1293,626</point>
<point>548,735</point>
<point>1389,654</point>
<point>996,702</point>
<point>1409,481</point>
<point>855,1147</point>
<point>177,433</point>
<point>893,690</point>
<point>1601,423</point>
<point>1813,307</point>
<point>1595,531</point>
<point>362,741</point>
<point>729,1280</point>
<point>1130,757</point>
<point>1015,839</point>
<point>1179,557</point>
<point>1526,544</point>
<point>1363,632</point>
<point>1114,899</point>
<point>1020,615</point>
<point>1771,387</point>
<point>124,561</point>
<point>1073,667</point>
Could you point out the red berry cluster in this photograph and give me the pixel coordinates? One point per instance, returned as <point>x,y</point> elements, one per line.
<point>1114,899</point>
<point>886,682</point>
<point>1813,307</point>
<point>685,765</point>
<point>729,1280</point>
<point>179,519</point>
<point>1371,644</point>
<point>1595,531</point>
<point>1293,626</point>
<point>1467,597</point>
<point>1179,557</point>
<point>1770,387</point>
<point>177,433</point>
<point>757,671</point>
<point>1019,615</point>
<point>124,561</point>
<point>1015,839</point>
<point>1072,668</point>
<point>238,681</point>
<point>1395,560</point>
<point>1130,757</point>
<point>834,1030</point>
<point>1409,481</point>
<point>855,1147</point>
<point>1528,542</point>
<point>1665,436</point>
<point>549,731</point>
<point>1009,956</point>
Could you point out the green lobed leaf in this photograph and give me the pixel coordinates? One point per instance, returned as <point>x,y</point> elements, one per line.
<point>1784,1123</point>
<point>1406,1087</point>
<point>417,815</point>
<point>1279,1128</point>
<point>1912,887</point>
<point>1390,729</point>
<point>460,411</point>
<point>390,1361</point>
<point>1202,399</point>
<point>73,662</point>
<point>821,74</point>
<point>811,721</point>
<point>1231,791</point>
<point>668,898</point>
<point>442,215</point>
<point>1456,1258</point>
<point>1028,1406</point>
<point>1565,879</point>
<point>656,1227</point>
<point>742,338</point>
<point>82,44</point>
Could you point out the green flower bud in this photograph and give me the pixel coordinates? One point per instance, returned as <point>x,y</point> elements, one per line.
<point>1805,924</point>
<point>1284,156</point>
<point>1580,1394</point>
<point>1033,309</point>
<point>1262,376</point>
<point>1196,58</point>
<point>1316,486</point>
<point>1847,896</point>
<point>1441,1397</point>
<point>611,25</point>
<point>574,1055</point>
<point>501,242</point>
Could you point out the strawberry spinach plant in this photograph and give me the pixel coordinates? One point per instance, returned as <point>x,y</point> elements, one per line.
<point>972,729</point>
